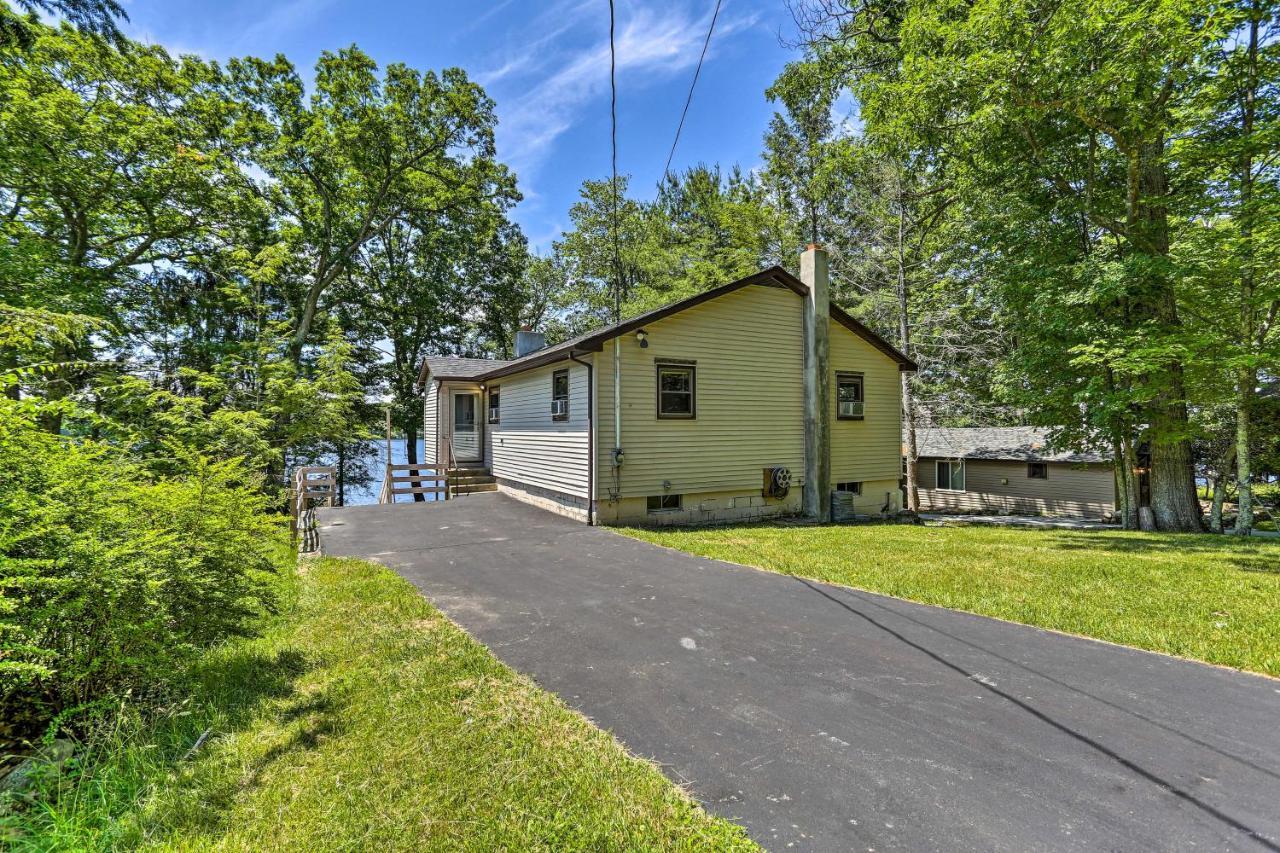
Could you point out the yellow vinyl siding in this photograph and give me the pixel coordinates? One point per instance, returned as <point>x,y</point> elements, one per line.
<point>748,349</point>
<point>1087,491</point>
<point>748,346</point>
<point>869,449</point>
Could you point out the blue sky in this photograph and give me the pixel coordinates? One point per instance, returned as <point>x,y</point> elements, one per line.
<point>547,66</point>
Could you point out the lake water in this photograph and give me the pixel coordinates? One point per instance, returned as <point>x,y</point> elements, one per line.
<point>378,450</point>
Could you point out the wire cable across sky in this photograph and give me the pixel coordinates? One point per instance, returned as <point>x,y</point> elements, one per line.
<point>666,170</point>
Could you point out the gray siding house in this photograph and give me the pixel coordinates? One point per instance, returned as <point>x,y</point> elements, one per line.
<point>1010,470</point>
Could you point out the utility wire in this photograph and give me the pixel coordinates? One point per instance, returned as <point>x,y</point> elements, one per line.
<point>613,139</point>
<point>666,170</point>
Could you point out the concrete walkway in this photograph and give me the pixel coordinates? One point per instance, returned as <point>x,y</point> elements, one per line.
<point>828,719</point>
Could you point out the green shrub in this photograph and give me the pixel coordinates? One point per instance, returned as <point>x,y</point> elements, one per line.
<point>112,579</point>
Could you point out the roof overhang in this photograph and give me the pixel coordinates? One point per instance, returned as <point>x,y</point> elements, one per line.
<point>594,342</point>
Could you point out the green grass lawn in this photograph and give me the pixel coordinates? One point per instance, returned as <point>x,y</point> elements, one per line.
<point>364,719</point>
<point>1214,598</point>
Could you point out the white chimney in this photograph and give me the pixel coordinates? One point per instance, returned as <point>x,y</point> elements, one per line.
<point>817,384</point>
<point>528,341</point>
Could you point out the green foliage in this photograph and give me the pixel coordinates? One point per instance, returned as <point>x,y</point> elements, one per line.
<point>702,229</point>
<point>111,580</point>
<point>364,718</point>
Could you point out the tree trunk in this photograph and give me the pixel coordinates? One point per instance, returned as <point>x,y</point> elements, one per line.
<point>1174,503</point>
<point>342,473</point>
<point>1244,464</point>
<point>411,451</point>
<point>1126,481</point>
<point>1247,376</point>
<point>909,410</point>
<point>904,340</point>
<point>1219,483</point>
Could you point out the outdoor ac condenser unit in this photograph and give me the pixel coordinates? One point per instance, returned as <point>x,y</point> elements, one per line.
<point>777,482</point>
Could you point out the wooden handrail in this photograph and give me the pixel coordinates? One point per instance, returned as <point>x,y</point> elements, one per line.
<point>451,464</point>
<point>415,474</point>
<point>310,483</point>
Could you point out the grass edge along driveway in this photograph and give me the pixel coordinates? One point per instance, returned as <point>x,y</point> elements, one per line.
<point>364,719</point>
<point>1210,598</point>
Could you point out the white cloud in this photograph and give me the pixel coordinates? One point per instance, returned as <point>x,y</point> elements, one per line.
<point>288,16</point>
<point>652,45</point>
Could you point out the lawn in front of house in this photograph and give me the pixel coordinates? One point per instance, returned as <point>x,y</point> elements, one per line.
<point>364,719</point>
<point>1213,598</point>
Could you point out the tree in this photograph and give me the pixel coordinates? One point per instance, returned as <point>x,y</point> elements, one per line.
<point>361,154</point>
<point>115,162</point>
<point>1065,114</point>
<point>1229,237</point>
<point>92,17</point>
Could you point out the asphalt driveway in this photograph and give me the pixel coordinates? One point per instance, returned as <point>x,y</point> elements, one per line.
<point>824,718</point>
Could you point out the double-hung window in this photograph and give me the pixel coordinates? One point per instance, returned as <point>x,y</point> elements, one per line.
<point>951,475</point>
<point>849,405</point>
<point>495,408</point>
<point>560,395</point>
<point>677,389</point>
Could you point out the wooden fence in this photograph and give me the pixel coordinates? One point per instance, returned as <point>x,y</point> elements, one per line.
<point>411,478</point>
<point>312,485</point>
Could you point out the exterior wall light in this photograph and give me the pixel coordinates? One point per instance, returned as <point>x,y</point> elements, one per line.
<point>643,337</point>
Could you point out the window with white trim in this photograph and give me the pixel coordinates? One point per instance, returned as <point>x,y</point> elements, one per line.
<point>495,409</point>
<point>951,475</point>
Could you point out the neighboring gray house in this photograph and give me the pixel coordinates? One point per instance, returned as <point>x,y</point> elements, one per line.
<point>1010,470</point>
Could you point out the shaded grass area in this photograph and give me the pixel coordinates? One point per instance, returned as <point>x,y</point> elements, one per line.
<point>1213,598</point>
<point>364,719</point>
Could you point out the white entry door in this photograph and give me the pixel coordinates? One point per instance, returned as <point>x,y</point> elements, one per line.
<point>467,445</point>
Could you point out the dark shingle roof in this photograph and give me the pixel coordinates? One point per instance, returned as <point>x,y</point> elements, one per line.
<point>453,367</point>
<point>594,340</point>
<point>1024,444</point>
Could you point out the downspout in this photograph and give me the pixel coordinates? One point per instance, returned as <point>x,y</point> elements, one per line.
<point>617,407</point>
<point>591,438</point>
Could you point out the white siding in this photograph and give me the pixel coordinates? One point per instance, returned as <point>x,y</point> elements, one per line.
<point>430,412</point>
<point>528,446</point>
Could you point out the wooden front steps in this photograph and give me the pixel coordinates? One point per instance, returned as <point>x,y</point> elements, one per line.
<point>468,481</point>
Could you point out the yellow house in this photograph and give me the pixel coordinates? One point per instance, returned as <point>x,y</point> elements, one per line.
<point>704,410</point>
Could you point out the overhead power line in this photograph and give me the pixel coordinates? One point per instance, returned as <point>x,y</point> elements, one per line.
<point>613,186</point>
<point>666,170</point>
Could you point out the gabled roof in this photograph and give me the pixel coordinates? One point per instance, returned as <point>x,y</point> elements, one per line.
<point>453,367</point>
<point>594,341</point>
<point>1020,444</point>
